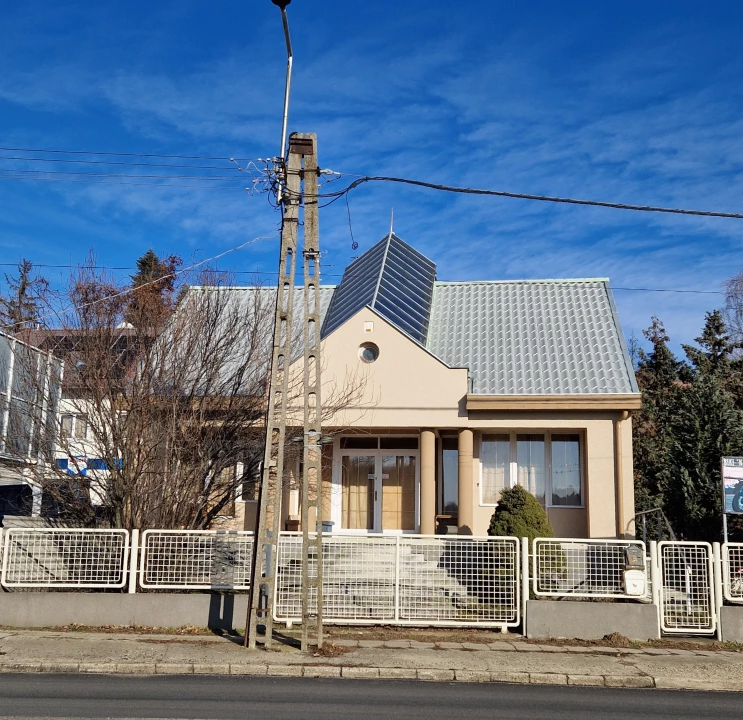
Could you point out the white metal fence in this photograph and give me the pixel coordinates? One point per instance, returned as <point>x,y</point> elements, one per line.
<point>405,579</point>
<point>686,592</point>
<point>732,572</point>
<point>63,558</point>
<point>395,579</point>
<point>585,568</point>
<point>195,559</point>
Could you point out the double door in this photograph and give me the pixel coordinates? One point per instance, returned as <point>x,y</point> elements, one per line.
<point>379,491</point>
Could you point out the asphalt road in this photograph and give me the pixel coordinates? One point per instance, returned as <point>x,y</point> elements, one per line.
<point>95,696</point>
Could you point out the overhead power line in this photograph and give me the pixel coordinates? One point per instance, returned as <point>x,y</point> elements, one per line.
<point>526,196</point>
<point>114,154</point>
<point>124,163</point>
<point>129,290</point>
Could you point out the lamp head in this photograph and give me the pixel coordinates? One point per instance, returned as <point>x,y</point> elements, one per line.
<point>281,3</point>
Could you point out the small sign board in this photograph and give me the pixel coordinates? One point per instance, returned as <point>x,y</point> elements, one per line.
<point>732,485</point>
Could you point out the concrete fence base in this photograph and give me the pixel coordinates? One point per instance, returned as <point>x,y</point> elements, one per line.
<point>590,620</point>
<point>49,609</point>
<point>731,623</point>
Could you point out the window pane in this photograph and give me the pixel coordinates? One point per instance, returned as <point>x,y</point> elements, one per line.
<point>398,492</point>
<point>81,427</point>
<point>566,486</point>
<point>450,493</point>
<point>66,426</point>
<point>530,460</point>
<point>398,443</point>
<point>358,492</point>
<point>496,466</point>
<point>363,442</point>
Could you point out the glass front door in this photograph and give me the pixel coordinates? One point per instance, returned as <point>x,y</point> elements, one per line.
<point>378,492</point>
<point>359,489</point>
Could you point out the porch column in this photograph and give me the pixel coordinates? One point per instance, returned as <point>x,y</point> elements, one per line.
<point>428,482</point>
<point>466,511</point>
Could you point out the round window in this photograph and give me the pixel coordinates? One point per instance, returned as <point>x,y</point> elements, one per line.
<point>368,352</point>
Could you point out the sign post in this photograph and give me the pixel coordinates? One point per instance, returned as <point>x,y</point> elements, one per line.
<point>732,490</point>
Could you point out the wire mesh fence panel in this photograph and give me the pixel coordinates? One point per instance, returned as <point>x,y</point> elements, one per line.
<point>62,558</point>
<point>732,572</point>
<point>464,581</point>
<point>587,568</point>
<point>358,582</point>
<point>686,592</point>
<point>196,559</point>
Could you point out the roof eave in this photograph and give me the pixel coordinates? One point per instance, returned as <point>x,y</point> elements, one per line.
<point>553,403</point>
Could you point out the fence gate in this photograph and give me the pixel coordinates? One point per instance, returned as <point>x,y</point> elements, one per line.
<point>687,602</point>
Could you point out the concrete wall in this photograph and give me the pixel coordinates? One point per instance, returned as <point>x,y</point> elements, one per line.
<point>50,609</point>
<point>591,620</point>
<point>731,623</point>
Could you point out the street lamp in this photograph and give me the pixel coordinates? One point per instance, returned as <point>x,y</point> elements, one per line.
<point>289,61</point>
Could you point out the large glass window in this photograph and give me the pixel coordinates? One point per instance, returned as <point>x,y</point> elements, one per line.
<point>548,465</point>
<point>530,464</point>
<point>566,487</point>
<point>450,476</point>
<point>496,467</point>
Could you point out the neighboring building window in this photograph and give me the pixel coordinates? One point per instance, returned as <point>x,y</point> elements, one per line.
<point>74,426</point>
<point>496,467</point>
<point>548,465</point>
<point>450,476</point>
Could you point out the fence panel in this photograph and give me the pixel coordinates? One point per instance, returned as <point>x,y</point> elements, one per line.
<point>732,572</point>
<point>465,581</point>
<point>196,559</point>
<point>686,588</point>
<point>358,578</point>
<point>584,568</point>
<point>412,580</point>
<point>64,558</point>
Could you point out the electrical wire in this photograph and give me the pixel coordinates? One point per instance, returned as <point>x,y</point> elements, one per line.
<point>113,154</point>
<point>113,162</point>
<point>130,290</point>
<point>524,196</point>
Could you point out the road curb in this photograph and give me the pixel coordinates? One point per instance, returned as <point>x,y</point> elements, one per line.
<point>371,673</point>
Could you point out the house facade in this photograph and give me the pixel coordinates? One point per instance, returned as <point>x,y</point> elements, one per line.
<point>462,389</point>
<point>30,385</point>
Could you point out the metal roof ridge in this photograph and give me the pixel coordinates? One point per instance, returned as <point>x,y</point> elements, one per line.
<point>544,281</point>
<point>250,287</point>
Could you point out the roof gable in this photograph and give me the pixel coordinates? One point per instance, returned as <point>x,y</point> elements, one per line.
<point>393,279</point>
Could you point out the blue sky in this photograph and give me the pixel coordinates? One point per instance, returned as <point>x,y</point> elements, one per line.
<point>630,102</point>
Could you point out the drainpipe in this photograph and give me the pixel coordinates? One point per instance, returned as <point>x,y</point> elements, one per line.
<point>619,472</point>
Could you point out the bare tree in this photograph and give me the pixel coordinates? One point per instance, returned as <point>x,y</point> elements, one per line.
<point>167,406</point>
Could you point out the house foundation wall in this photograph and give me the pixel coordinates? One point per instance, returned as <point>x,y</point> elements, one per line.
<point>731,623</point>
<point>215,610</point>
<point>592,620</point>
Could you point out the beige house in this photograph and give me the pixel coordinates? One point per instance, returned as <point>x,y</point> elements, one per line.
<point>466,388</point>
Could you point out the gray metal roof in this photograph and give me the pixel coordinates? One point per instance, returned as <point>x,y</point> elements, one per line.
<point>532,337</point>
<point>528,337</point>
<point>393,279</point>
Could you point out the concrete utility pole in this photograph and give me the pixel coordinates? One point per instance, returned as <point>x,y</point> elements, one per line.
<point>297,189</point>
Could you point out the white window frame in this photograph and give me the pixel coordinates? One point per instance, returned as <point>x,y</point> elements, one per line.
<point>513,464</point>
<point>337,488</point>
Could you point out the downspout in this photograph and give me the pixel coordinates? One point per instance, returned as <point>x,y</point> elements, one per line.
<point>619,473</point>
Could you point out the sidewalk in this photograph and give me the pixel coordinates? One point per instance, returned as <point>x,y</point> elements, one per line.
<point>507,660</point>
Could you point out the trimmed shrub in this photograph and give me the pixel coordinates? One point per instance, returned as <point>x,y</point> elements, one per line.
<point>519,514</point>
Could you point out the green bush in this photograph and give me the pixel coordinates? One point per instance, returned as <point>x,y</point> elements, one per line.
<point>520,514</point>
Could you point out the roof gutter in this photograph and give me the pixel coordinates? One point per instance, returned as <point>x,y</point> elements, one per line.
<point>554,403</point>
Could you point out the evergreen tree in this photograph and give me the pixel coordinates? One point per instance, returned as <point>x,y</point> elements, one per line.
<point>706,426</point>
<point>20,308</point>
<point>659,375</point>
<point>154,287</point>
